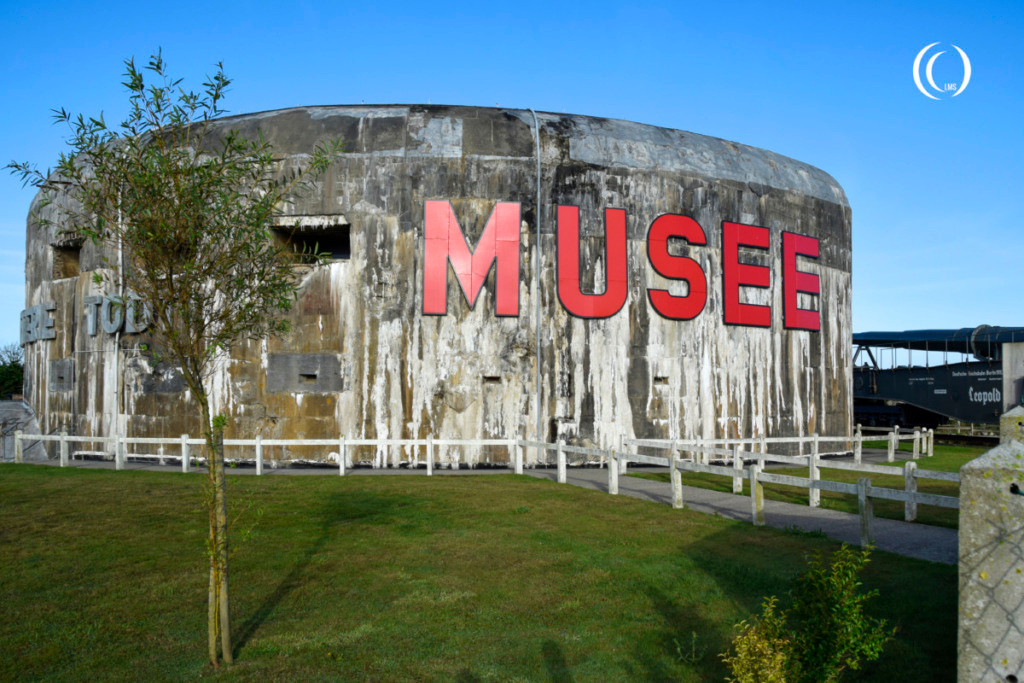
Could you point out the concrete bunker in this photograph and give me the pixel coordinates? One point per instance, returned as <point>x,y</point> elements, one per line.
<point>766,353</point>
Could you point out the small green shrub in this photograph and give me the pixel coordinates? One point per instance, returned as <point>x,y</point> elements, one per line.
<point>692,654</point>
<point>823,633</point>
<point>762,651</point>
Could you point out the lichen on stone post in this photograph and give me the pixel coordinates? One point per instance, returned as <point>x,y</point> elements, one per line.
<point>1011,425</point>
<point>991,628</point>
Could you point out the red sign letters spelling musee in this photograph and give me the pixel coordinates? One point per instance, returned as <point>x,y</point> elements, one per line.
<point>499,246</point>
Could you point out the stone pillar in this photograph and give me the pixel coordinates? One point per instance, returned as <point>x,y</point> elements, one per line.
<point>1011,426</point>
<point>991,629</point>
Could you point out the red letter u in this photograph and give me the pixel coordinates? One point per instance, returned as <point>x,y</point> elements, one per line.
<point>575,301</point>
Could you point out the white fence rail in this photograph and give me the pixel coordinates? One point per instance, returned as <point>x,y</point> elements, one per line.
<point>185,443</point>
<point>734,452</point>
<point>757,477</point>
<point>923,443</point>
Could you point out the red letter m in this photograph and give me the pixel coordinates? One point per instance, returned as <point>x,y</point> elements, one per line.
<point>445,243</point>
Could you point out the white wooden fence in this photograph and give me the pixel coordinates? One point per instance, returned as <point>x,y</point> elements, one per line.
<point>700,454</point>
<point>756,475</point>
<point>185,443</point>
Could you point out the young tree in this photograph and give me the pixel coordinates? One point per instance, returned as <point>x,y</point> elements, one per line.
<point>181,207</point>
<point>12,369</point>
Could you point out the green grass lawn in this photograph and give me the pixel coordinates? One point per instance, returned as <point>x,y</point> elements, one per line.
<point>103,576</point>
<point>946,459</point>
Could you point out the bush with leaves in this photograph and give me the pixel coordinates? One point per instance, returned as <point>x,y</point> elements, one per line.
<point>823,633</point>
<point>762,651</point>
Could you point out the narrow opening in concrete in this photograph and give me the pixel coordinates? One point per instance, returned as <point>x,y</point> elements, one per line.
<point>307,377</point>
<point>330,238</point>
<point>66,260</point>
<point>661,380</point>
<point>492,379</point>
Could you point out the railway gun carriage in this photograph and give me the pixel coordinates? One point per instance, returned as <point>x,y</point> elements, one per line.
<point>972,374</point>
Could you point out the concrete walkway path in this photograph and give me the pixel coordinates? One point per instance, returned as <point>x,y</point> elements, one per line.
<point>910,539</point>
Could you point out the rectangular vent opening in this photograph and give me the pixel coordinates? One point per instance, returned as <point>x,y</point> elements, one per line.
<point>661,381</point>
<point>492,379</point>
<point>307,377</point>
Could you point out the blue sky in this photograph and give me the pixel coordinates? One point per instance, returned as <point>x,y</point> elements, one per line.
<point>935,186</point>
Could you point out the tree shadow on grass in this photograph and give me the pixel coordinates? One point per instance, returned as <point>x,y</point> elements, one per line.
<point>337,509</point>
<point>685,639</point>
<point>692,631</point>
<point>554,661</point>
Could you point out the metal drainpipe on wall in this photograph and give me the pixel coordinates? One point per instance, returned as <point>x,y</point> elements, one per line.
<point>117,337</point>
<point>536,279</point>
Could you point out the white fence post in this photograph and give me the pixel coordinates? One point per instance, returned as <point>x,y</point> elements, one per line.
<point>917,444</point>
<point>737,466</point>
<point>756,496</point>
<point>676,479</point>
<point>613,474</point>
<point>430,455</point>
<point>931,442</point>
<point>119,452</point>
<point>890,456</point>
<point>858,446</point>
<point>63,448</point>
<point>623,462</point>
<point>764,451</point>
<point>185,455</point>
<point>910,486</point>
<point>342,456</point>
<point>561,463</point>
<point>865,507</point>
<point>814,474</point>
<point>519,457</point>
<point>19,447</point>
<point>259,455</point>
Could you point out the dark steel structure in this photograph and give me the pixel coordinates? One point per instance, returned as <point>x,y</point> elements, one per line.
<point>983,383</point>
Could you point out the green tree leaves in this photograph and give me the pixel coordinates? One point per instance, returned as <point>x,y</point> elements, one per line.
<point>178,207</point>
<point>12,370</point>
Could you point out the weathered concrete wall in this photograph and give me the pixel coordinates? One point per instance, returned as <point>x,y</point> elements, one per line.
<point>991,625</point>
<point>388,370</point>
<point>16,416</point>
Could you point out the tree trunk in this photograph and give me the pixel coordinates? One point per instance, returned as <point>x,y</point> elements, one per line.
<point>221,509</point>
<point>218,603</point>
<point>212,627</point>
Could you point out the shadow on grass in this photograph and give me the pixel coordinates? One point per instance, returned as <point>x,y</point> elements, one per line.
<point>682,628</point>
<point>744,573</point>
<point>337,509</point>
<point>554,661</point>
